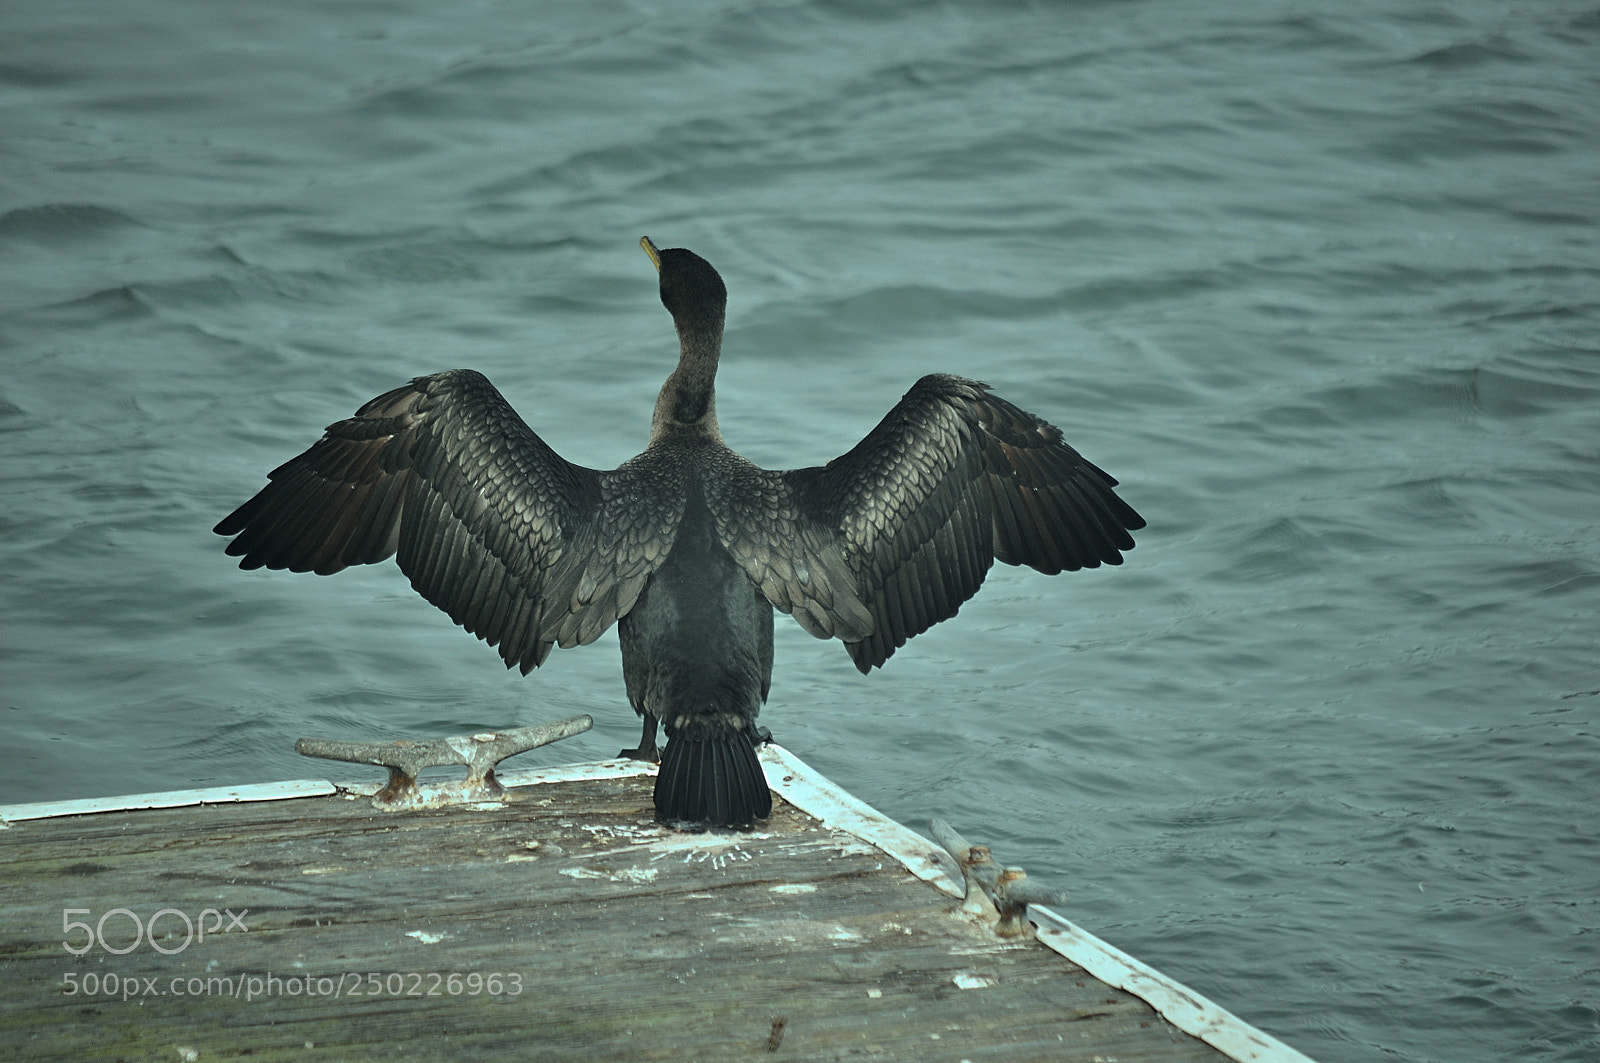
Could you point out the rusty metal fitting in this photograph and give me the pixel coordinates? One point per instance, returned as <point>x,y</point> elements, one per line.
<point>479,752</point>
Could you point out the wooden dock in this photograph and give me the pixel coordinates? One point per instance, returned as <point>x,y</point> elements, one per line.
<point>294,921</point>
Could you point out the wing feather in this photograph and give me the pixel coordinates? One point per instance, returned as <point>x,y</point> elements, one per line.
<point>519,546</point>
<point>898,533</point>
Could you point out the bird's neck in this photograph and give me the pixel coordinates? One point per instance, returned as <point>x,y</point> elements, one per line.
<point>687,404</point>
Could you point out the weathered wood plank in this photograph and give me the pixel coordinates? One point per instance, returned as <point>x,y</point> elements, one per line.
<point>612,938</point>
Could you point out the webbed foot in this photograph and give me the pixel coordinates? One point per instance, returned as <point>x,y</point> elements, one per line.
<point>650,754</point>
<point>647,749</point>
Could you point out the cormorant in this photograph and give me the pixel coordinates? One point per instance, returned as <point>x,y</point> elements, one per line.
<point>687,547</point>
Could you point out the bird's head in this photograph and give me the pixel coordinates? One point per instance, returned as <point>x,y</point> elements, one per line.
<point>691,290</point>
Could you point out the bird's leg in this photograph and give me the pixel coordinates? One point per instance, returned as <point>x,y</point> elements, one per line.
<point>647,743</point>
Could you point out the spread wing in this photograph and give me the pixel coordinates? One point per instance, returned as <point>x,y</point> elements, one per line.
<point>903,529</point>
<point>517,544</point>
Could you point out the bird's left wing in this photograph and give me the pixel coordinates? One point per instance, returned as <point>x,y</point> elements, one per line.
<point>521,547</point>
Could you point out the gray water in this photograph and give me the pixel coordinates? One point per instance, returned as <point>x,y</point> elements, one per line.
<point>1318,283</point>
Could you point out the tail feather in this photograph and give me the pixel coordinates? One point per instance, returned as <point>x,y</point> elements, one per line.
<point>715,782</point>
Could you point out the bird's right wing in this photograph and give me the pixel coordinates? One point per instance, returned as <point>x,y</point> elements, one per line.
<point>490,524</point>
<point>953,479</point>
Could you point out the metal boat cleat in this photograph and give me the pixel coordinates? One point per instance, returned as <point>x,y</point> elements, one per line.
<point>479,752</point>
<point>994,894</point>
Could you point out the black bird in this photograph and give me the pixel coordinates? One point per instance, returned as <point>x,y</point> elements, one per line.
<point>687,547</point>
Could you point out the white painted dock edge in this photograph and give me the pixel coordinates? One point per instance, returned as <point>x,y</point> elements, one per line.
<point>216,795</point>
<point>1190,1012</point>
